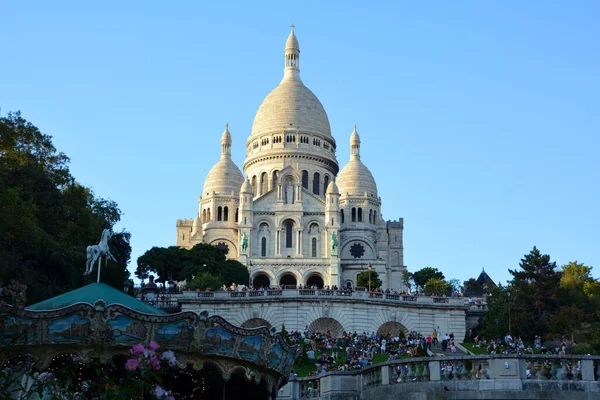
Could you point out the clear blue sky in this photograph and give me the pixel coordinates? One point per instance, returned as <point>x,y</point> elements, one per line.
<point>479,120</point>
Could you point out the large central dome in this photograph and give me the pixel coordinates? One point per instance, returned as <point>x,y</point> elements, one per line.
<point>291,106</point>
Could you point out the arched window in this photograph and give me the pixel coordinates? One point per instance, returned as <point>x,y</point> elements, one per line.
<point>374,217</point>
<point>289,234</point>
<point>226,214</point>
<point>342,211</point>
<point>264,183</point>
<point>353,214</point>
<point>325,184</point>
<point>263,247</point>
<point>254,188</point>
<point>360,214</point>
<point>314,247</point>
<point>204,216</point>
<point>275,176</point>
<point>219,213</point>
<point>370,216</point>
<point>237,210</point>
<point>208,215</point>
<point>316,183</point>
<point>305,179</point>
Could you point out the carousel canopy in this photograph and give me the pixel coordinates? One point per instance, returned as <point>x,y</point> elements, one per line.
<point>92,293</point>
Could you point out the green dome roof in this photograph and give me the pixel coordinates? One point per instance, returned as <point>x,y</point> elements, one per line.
<point>90,294</point>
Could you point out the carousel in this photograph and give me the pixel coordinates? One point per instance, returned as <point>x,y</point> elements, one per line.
<point>99,334</point>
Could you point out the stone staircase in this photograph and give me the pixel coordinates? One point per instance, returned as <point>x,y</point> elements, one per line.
<point>437,350</point>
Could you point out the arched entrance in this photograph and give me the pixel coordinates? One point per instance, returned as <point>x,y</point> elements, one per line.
<point>324,325</point>
<point>255,323</point>
<point>392,328</point>
<point>288,280</point>
<point>261,281</point>
<point>349,285</point>
<point>314,280</point>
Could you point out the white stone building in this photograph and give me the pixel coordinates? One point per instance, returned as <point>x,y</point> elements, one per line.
<point>296,219</point>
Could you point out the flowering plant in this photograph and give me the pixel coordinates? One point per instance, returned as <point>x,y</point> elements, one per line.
<point>139,378</point>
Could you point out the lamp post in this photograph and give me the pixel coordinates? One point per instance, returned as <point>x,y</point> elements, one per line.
<point>249,274</point>
<point>508,293</point>
<point>369,267</point>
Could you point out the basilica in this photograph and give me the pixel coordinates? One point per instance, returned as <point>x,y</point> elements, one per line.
<point>293,217</point>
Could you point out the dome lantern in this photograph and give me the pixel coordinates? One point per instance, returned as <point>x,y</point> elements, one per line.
<point>292,52</point>
<point>226,142</point>
<point>354,144</point>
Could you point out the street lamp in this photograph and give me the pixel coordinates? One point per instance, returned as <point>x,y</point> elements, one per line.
<point>369,267</point>
<point>127,285</point>
<point>249,274</point>
<point>508,293</point>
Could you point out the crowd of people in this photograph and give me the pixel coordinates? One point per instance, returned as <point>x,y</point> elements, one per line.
<point>354,351</point>
<point>515,345</point>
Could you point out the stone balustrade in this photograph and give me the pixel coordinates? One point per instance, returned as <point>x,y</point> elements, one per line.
<point>317,294</point>
<point>509,376</point>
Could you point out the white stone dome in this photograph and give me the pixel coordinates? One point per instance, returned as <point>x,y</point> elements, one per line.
<point>224,177</point>
<point>291,106</point>
<point>332,188</point>
<point>355,178</point>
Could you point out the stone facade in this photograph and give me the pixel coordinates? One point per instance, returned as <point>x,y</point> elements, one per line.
<point>293,220</point>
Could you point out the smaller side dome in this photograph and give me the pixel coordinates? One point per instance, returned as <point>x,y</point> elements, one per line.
<point>196,225</point>
<point>332,188</point>
<point>246,187</point>
<point>355,178</point>
<point>224,177</point>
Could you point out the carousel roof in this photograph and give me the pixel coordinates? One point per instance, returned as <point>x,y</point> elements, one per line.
<point>91,294</point>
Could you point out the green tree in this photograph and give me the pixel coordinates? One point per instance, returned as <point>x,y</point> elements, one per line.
<point>47,219</point>
<point>362,280</point>
<point>408,280</point>
<point>178,263</point>
<point>425,274</point>
<point>535,294</point>
<point>567,323</point>
<point>494,324</point>
<point>437,287</point>
<point>205,280</point>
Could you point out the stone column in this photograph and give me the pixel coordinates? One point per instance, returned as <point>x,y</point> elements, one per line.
<point>299,242</point>
<point>434,371</point>
<point>278,242</point>
<point>587,370</point>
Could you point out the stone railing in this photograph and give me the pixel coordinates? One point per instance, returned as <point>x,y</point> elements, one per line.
<point>317,294</point>
<point>509,375</point>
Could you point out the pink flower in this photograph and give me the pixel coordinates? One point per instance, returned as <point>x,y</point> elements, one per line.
<point>137,350</point>
<point>154,363</point>
<point>153,345</point>
<point>132,364</point>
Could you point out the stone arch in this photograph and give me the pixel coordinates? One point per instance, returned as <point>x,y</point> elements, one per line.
<point>392,328</point>
<point>324,324</point>
<point>294,218</point>
<point>295,274</point>
<point>256,271</point>
<point>233,250</point>
<point>256,323</point>
<point>315,279</point>
<point>261,279</point>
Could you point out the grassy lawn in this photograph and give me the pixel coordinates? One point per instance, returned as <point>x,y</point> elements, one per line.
<point>304,366</point>
<point>475,350</point>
